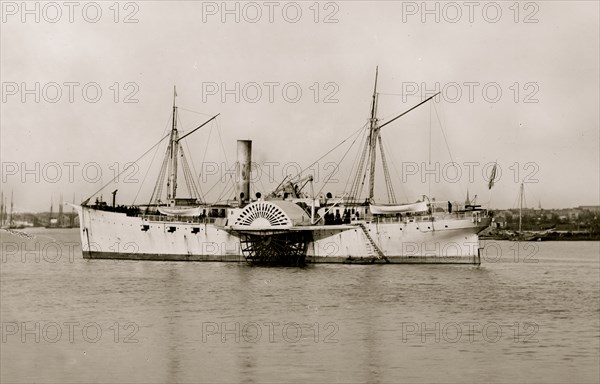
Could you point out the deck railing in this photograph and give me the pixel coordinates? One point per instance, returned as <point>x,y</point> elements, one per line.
<point>180,219</point>
<point>424,218</point>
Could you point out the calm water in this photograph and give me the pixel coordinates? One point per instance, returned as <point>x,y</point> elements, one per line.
<point>529,313</point>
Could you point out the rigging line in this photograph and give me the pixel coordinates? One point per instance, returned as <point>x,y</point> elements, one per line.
<point>150,166</point>
<point>358,186</point>
<point>429,160</point>
<point>359,171</point>
<point>276,189</point>
<point>189,110</point>
<point>383,118</point>
<point>170,154</point>
<point>186,176</point>
<point>360,168</point>
<point>405,112</point>
<point>192,183</point>
<point>193,168</point>
<point>160,181</point>
<point>212,126</point>
<point>163,177</point>
<point>215,184</point>
<point>362,184</point>
<point>260,181</point>
<point>191,187</point>
<point>224,192</point>
<point>231,194</point>
<point>207,142</point>
<point>197,128</point>
<point>222,146</point>
<point>339,162</point>
<point>196,187</point>
<point>352,167</point>
<point>447,145</point>
<point>331,150</point>
<point>355,163</point>
<point>443,133</point>
<point>183,158</point>
<point>386,174</point>
<point>430,118</point>
<point>218,129</point>
<point>145,176</point>
<point>399,94</point>
<point>396,169</point>
<point>515,205</point>
<point>126,168</point>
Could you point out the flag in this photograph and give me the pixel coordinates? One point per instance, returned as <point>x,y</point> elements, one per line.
<point>492,177</point>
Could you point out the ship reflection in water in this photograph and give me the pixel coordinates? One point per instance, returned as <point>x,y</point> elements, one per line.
<point>228,322</point>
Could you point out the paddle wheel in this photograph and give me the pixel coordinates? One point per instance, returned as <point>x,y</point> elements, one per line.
<point>270,234</point>
<point>276,249</point>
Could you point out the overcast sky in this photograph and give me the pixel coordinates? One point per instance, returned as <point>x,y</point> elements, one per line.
<point>519,82</point>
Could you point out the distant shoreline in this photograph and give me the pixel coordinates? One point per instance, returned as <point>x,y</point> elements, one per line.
<point>540,236</point>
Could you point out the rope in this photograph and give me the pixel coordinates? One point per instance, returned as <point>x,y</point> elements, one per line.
<point>355,163</point>
<point>150,167</point>
<point>126,168</point>
<point>331,150</point>
<point>342,159</point>
<point>189,110</point>
<point>397,173</point>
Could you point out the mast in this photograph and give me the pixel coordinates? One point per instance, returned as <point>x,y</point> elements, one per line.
<point>11,220</point>
<point>60,211</point>
<point>369,152</point>
<point>71,214</point>
<point>374,132</point>
<point>173,146</point>
<point>520,207</point>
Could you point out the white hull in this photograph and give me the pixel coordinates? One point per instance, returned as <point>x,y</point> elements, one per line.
<point>113,235</point>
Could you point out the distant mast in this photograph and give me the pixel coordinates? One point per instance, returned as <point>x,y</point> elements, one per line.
<point>173,145</point>
<point>11,219</point>
<point>60,211</point>
<point>520,207</point>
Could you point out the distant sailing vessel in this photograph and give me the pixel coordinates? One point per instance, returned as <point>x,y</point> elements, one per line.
<point>62,220</point>
<point>287,226</point>
<point>522,235</point>
<point>7,221</point>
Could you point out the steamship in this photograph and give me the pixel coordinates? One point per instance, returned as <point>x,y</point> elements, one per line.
<point>289,225</point>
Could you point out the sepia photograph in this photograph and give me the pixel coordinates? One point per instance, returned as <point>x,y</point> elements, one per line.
<point>302,191</point>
